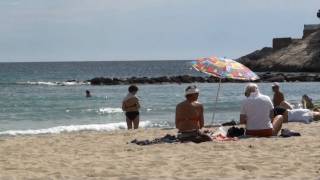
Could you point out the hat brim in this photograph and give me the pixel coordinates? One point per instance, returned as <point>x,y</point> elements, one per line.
<point>192,91</point>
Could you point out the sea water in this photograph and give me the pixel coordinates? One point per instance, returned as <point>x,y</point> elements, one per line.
<point>36,98</point>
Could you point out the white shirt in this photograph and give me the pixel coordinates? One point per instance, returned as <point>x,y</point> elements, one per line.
<point>257,108</point>
<point>300,115</point>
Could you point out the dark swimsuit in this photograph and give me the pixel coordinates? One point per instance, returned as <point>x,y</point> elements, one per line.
<point>132,115</point>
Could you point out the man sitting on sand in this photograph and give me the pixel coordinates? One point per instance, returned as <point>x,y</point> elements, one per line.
<point>256,113</point>
<point>189,117</point>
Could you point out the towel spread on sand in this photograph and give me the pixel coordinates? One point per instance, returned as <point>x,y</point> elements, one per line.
<point>174,139</point>
<point>221,137</point>
<point>166,139</point>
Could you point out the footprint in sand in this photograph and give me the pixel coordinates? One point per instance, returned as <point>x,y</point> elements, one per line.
<point>246,167</point>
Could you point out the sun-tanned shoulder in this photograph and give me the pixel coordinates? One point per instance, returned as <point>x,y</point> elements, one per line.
<point>181,104</point>
<point>198,104</point>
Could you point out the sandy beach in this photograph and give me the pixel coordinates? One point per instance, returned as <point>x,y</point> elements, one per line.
<point>108,155</point>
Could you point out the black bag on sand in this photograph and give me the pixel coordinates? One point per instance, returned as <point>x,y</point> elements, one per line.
<point>235,132</point>
<point>230,123</point>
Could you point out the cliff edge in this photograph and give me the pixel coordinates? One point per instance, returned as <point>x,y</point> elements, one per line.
<point>301,55</point>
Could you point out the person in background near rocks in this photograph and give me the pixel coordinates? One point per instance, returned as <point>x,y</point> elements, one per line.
<point>278,97</point>
<point>131,106</point>
<point>88,94</point>
<point>189,117</point>
<point>256,113</point>
<point>307,102</point>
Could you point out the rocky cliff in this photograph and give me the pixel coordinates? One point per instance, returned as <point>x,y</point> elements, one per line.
<point>300,55</point>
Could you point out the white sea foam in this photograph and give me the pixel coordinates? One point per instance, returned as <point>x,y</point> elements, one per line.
<point>48,83</point>
<point>74,128</point>
<point>39,83</point>
<point>109,110</point>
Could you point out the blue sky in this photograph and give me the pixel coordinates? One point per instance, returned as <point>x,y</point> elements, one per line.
<point>100,30</point>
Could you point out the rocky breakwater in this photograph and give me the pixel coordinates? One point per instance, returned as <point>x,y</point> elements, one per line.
<point>264,77</point>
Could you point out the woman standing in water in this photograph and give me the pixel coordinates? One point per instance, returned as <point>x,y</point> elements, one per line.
<point>131,106</point>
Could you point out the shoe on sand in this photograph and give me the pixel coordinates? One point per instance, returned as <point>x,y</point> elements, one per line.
<point>287,133</point>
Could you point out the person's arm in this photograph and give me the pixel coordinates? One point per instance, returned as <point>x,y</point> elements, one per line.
<point>281,97</point>
<point>177,118</point>
<point>138,104</point>
<point>304,103</point>
<point>201,120</point>
<point>243,119</point>
<point>271,115</point>
<point>243,116</point>
<point>271,109</point>
<point>123,106</point>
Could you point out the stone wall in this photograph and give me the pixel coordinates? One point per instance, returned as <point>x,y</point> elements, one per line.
<point>279,43</point>
<point>309,29</point>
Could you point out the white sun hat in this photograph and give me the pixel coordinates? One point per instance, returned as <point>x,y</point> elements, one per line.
<point>275,84</point>
<point>191,90</point>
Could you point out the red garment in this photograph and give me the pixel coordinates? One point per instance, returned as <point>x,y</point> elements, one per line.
<point>259,133</point>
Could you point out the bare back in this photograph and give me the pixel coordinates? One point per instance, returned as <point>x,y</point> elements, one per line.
<point>131,104</point>
<point>189,116</point>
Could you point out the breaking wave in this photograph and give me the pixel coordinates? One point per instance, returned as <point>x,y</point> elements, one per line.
<point>74,128</point>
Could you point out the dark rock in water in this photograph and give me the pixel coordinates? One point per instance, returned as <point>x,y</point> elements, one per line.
<point>185,79</point>
<point>96,81</point>
<point>264,77</point>
<point>108,81</point>
<point>117,81</point>
<point>211,79</point>
<point>302,78</point>
<point>199,79</point>
<point>277,78</point>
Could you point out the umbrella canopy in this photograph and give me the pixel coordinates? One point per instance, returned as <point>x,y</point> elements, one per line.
<point>224,68</point>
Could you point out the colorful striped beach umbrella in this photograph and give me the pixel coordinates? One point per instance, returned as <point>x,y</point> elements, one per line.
<point>223,68</point>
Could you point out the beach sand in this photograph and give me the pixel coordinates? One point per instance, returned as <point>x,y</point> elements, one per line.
<point>108,155</point>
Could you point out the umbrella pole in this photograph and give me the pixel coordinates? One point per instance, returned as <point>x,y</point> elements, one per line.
<point>215,104</point>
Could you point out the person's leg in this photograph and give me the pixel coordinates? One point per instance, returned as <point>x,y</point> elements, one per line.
<point>277,124</point>
<point>316,116</point>
<point>205,137</point>
<point>129,123</point>
<point>316,109</point>
<point>136,122</point>
<point>286,105</point>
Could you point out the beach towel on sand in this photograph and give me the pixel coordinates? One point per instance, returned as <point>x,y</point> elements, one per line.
<point>221,137</point>
<point>166,139</point>
<point>218,136</point>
